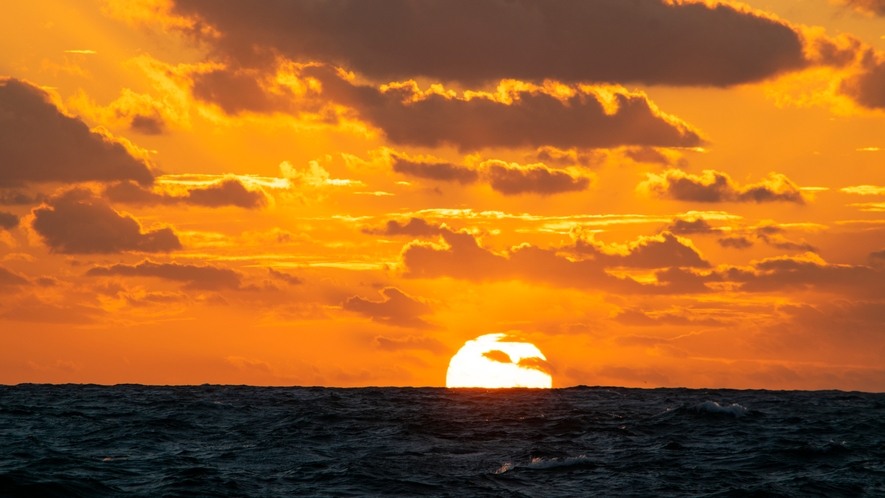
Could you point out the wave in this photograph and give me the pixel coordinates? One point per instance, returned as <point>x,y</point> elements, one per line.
<point>734,409</point>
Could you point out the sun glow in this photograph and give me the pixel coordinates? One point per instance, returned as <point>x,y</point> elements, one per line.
<point>489,362</point>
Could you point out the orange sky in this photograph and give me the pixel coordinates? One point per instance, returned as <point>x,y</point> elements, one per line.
<point>654,193</point>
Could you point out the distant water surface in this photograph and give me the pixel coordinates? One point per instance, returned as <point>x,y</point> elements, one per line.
<point>131,440</point>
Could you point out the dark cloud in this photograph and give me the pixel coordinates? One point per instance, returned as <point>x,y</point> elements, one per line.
<point>498,355</point>
<point>148,125</point>
<point>808,273</point>
<point>867,87</point>
<point>8,221</point>
<point>465,259</point>
<point>646,155</point>
<point>681,226</point>
<point>570,157</point>
<point>10,281</point>
<point>714,186</point>
<point>398,308</point>
<point>870,7</point>
<point>511,179</point>
<point>736,242</point>
<point>206,277</point>
<point>39,144</point>
<point>76,222</point>
<point>536,363</point>
<point>656,42</point>
<point>663,251</point>
<point>19,198</point>
<point>285,277</point>
<point>878,256</point>
<point>527,118</point>
<point>412,343</point>
<point>229,192</point>
<point>415,227</point>
<point>434,170</point>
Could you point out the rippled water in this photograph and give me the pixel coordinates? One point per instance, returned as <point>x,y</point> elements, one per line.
<point>255,441</point>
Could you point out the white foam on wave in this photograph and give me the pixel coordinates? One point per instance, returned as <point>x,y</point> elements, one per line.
<point>545,463</point>
<point>733,409</point>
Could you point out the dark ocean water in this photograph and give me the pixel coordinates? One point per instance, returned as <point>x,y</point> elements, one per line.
<point>85,440</point>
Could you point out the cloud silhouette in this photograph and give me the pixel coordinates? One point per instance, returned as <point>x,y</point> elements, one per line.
<point>77,222</point>
<point>713,186</point>
<point>229,192</point>
<point>8,221</point>
<point>206,277</point>
<point>40,144</point>
<point>398,308</point>
<point>415,227</point>
<point>474,42</point>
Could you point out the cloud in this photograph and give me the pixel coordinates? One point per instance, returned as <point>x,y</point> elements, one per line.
<point>807,272</point>
<point>77,222</point>
<point>34,310</point>
<point>206,277</point>
<point>8,221</point>
<point>657,42</point>
<point>661,251</point>
<point>864,190</point>
<point>411,343</point>
<point>639,318</point>
<point>415,227</point>
<point>398,308</point>
<point>433,170</point>
<point>512,179</point>
<point>40,144</point>
<point>681,226</point>
<point>506,178</point>
<point>10,281</point>
<point>229,192</point>
<point>285,277</point>
<point>869,7</point>
<point>19,198</point>
<point>714,186</point>
<point>463,258</point>
<point>536,363</point>
<point>518,114</point>
<point>498,355</point>
<point>570,157</point>
<point>867,86</point>
<point>736,242</point>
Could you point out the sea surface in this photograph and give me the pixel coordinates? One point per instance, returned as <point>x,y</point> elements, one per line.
<point>132,440</point>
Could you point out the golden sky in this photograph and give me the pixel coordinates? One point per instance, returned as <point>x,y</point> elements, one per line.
<point>344,192</point>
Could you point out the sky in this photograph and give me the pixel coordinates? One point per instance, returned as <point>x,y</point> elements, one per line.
<point>654,193</point>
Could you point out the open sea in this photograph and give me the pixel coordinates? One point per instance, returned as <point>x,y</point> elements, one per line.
<point>132,440</point>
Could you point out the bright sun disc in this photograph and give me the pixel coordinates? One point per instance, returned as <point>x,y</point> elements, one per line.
<point>488,362</point>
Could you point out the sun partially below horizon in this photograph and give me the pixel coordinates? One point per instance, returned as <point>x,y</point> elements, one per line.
<point>490,362</point>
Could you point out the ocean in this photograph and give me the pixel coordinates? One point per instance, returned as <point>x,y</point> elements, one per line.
<point>133,440</point>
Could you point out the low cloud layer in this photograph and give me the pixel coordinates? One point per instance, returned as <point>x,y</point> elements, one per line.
<point>77,222</point>
<point>397,308</point>
<point>517,115</point>
<point>228,192</point>
<point>503,177</point>
<point>415,227</point>
<point>466,259</point>
<point>207,277</point>
<point>714,186</point>
<point>40,144</point>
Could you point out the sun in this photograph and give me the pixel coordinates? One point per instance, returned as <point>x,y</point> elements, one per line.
<point>488,361</point>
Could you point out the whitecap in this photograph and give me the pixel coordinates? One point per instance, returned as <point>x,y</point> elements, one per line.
<point>733,409</point>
